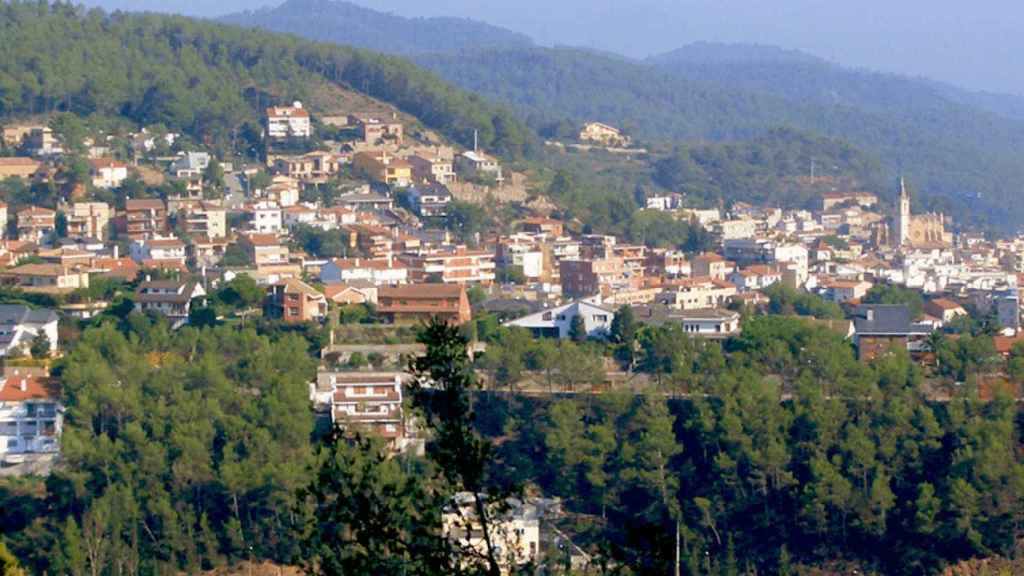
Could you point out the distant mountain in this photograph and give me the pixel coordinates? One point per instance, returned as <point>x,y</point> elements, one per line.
<point>346,23</point>
<point>960,149</point>
<point>800,77</point>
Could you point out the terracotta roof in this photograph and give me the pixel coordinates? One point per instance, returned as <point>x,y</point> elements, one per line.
<point>945,304</point>
<point>262,239</point>
<point>98,163</point>
<point>36,211</point>
<point>21,387</point>
<point>421,291</point>
<point>145,204</point>
<point>18,161</point>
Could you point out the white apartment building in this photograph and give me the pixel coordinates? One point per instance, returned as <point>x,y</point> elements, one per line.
<point>288,122</point>
<point>31,416</point>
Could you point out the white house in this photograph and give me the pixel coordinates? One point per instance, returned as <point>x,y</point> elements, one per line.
<point>31,415</point>
<point>266,218</point>
<point>170,298</point>
<point>19,325</point>
<point>167,249</point>
<point>514,525</point>
<point>556,322</point>
<point>108,173</point>
<point>379,271</point>
<point>288,121</point>
<point>710,323</point>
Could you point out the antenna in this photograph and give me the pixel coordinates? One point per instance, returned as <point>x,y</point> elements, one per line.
<point>476,137</point>
<point>812,169</point>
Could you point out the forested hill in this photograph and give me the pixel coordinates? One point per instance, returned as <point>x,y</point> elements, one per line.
<point>211,80</point>
<point>801,77</point>
<point>958,152</point>
<point>347,23</point>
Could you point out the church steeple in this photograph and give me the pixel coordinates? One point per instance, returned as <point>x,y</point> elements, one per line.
<point>902,228</point>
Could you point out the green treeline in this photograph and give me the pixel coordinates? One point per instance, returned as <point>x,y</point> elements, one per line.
<point>182,450</point>
<point>211,81</point>
<point>194,449</point>
<point>788,452</point>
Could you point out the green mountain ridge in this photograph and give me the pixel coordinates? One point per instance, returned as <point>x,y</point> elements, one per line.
<point>211,80</point>
<point>957,154</point>
<point>346,23</point>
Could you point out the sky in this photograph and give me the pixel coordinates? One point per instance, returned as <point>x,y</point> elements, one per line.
<point>972,44</point>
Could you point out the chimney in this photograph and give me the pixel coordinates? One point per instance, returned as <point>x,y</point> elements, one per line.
<point>24,385</point>
<point>870,315</point>
<point>117,251</point>
<point>149,278</point>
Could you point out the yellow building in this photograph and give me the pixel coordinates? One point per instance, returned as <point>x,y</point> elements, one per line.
<point>382,167</point>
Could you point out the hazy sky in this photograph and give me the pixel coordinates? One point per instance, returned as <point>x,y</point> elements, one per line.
<point>973,44</point>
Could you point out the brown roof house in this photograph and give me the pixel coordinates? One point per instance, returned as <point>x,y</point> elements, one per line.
<point>415,303</point>
<point>294,302</point>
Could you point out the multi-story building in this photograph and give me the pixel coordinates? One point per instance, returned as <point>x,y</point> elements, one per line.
<point>295,302</point>
<point>36,224</point>
<point>711,265</point>
<point>383,167</point>
<point>266,218</point>
<point>364,402</point>
<point>264,249</point>
<point>430,200</point>
<point>514,530</point>
<point>288,122</point>
<point>375,131</point>
<point>458,265</point>
<point>88,220</point>
<point>145,218</point>
<point>697,293</point>
<point>31,415</point>
<point>416,303</point>
<point>584,278</point>
<point>206,219</point>
<point>432,169</point>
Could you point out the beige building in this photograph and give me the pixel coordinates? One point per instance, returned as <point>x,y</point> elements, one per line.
<point>88,220</point>
<point>603,134</point>
<point>207,219</point>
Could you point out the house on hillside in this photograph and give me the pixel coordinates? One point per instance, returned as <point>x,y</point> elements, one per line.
<point>557,322</point>
<point>169,298</point>
<point>363,402</point>
<point>603,134</point>
<point>20,325</point>
<point>416,303</point>
<point>288,122</point>
<point>31,415</point>
<point>107,173</point>
<point>295,302</point>
<point>879,327</point>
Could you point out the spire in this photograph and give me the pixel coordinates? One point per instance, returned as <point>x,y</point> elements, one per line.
<point>903,188</point>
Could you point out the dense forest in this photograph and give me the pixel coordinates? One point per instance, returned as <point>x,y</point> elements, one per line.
<point>346,23</point>
<point>210,80</point>
<point>775,449</point>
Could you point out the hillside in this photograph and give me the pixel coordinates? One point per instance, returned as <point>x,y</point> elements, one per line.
<point>346,23</point>
<point>212,80</point>
<point>957,152</point>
